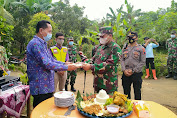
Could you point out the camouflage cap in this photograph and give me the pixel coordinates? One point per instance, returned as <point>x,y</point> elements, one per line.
<point>105,30</point>
<point>173,32</point>
<point>70,38</point>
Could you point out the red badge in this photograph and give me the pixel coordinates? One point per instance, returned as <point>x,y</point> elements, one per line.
<point>64,50</point>
<point>55,51</point>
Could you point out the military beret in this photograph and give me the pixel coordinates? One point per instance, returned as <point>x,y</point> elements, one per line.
<point>105,30</point>
<point>173,32</point>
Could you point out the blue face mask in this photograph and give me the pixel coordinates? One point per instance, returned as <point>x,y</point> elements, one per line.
<point>173,36</point>
<point>71,43</point>
<point>48,37</point>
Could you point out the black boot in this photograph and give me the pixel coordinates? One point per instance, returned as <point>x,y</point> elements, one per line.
<point>175,76</point>
<point>72,88</point>
<point>169,75</point>
<point>66,87</point>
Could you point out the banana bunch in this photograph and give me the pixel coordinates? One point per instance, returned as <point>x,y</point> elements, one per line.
<point>5,73</point>
<point>119,98</point>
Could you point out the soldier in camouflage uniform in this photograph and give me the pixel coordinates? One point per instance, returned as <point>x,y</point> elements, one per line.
<point>72,51</point>
<point>3,60</point>
<point>171,45</point>
<point>104,63</point>
<point>132,61</point>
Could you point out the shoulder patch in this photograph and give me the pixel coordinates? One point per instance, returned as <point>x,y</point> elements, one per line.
<point>144,51</point>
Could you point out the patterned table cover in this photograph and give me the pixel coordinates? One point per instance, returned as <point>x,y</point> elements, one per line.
<point>8,103</point>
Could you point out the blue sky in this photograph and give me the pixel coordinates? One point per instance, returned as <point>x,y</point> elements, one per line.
<point>97,9</point>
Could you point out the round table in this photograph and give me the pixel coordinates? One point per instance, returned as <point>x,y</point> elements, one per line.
<point>47,109</point>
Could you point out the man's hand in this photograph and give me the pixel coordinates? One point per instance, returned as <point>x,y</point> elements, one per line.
<point>86,66</point>
<point>67,63</point>
<point>2,68</point>
<point>79,64</point>
<point>60,73</point>
<point>149,40</point>
<point>128,72</point>
<point>71,67</point>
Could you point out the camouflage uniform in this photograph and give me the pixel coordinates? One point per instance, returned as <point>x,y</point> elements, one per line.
<point>72,51</point>
<point>104,65</point>
<point>94,49</point>
<point>171,45</point>
<point>3,60</point>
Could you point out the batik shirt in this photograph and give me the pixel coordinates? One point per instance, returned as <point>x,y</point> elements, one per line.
<point>40,66</point>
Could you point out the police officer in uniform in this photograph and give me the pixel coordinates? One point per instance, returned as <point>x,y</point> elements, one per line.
<point>60,53</point>
<point>132,62</point>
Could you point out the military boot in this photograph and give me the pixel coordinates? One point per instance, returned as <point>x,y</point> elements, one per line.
<point>72,88</point>
<point>169,75</point>
<point>66,87</point>
<point>175,76</point>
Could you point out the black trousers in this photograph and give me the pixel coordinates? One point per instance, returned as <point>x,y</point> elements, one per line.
<point>137,82</point>
<point>41,97</point>
<point>1,73</point>
<point>151,62</point>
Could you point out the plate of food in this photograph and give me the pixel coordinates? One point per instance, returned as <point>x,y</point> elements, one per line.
<point>102,105</point>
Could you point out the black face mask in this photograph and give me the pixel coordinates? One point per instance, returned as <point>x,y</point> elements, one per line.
<point>131,40</point>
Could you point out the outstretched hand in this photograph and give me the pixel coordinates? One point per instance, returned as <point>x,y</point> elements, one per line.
<point>86,66</point>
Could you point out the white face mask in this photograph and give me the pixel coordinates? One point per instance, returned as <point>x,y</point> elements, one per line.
<point>60,42</point>
<point>103,41</point>
<point>173,36</point>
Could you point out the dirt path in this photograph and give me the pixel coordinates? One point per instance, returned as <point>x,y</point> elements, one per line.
<point>162,91</point>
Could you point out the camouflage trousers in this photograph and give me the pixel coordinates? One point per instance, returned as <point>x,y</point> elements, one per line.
<point>72,76</point>
<point>172,62</point>
<point>101,83</point>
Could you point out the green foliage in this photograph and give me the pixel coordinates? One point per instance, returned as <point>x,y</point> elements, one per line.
<point>6,33</point>
<point>79,99</point>
<point>30,31</point>
<point>24,78</point>
<point>108,101</point>
<point>87,49</point>
<point>129,105</point>
<point>69,19</point>
<point>11,67</point>
<point>164,25</point>
<point>4,7</point>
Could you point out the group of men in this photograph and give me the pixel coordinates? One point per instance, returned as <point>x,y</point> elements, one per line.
<point>43,64</point>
